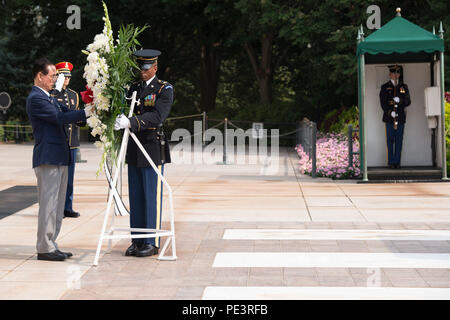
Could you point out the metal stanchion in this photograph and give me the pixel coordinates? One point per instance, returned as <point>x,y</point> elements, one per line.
<point>351,153</point>
<point>16,133</point>
<point>313,148</point>
<point>204,129</point>
<point>350,146</point>
<point>308,139</point>
<point>78,159</point>
<point>225,140</point>
<point>298,134</point>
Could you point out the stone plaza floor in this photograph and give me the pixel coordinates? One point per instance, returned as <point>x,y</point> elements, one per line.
<point>240,234</point>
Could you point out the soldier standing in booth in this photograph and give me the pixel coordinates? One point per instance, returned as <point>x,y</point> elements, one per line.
<point>69,99</point>
<point>394,98</point>
<point>155,99</point>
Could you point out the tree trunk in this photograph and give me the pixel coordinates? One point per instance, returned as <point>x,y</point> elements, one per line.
<point>210,70</point>
<point>263,69</point>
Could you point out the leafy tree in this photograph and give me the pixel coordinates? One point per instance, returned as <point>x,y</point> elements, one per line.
<point>254,59</point>
<point>36,29</point>
<point>267,27</point>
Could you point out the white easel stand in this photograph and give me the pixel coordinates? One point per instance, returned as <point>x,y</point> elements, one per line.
<point>151,233</point>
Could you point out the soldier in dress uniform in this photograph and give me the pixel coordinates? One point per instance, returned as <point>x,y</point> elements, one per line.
<point>394,98</point>
<point>155,99</point>
<point>70,99</point>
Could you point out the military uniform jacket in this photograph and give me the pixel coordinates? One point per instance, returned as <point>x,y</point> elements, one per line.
<point>70,100</point>
<point>155,101</point>
<point>387,93</point>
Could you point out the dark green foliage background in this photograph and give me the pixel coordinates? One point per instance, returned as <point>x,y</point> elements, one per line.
<point>312,53</point>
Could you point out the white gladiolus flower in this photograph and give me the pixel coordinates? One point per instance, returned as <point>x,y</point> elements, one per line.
<point>94,132</point>
<point>92,57</point>
<point>101,43</point>
<point>99,145</point>
<point>93,121</point>
<point>96,74</point>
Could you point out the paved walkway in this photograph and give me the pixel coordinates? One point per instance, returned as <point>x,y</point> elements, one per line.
<point>240,235</point>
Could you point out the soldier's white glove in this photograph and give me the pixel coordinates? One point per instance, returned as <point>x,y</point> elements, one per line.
<point>59,82</point>
<point>89,110</point>
<point>393,114</point>
<point>397,99</point>
<point>122,122</point>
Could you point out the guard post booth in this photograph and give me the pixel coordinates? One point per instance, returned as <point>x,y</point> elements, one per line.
<point>420,53</point>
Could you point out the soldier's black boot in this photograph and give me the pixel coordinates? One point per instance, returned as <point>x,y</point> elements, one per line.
<point>146,250</point>
<point>131,251</point>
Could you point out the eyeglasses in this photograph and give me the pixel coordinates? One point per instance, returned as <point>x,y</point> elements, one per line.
<point>54,77</point>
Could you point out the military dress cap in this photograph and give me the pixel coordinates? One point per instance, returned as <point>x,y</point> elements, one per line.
<point>64,68</point>
<point>146,57</point>
<point>395,68</point>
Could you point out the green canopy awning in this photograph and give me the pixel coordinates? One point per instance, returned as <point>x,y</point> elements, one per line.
<point>400,36</point>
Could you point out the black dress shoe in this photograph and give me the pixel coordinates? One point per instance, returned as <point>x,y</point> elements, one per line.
<point>67,254</point>
<point>131,251</point>
<point>71,214</point>
<point>146,250</point>
<point>51,256</point>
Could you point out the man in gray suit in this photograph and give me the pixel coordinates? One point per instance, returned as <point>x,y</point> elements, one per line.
<point>51,156</point>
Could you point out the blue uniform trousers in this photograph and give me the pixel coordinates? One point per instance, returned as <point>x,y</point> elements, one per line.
<point>145,191</point>
<point>394,139</point>
<point>71,172</point>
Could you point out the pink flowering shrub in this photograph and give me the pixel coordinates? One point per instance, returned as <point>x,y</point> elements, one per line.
<point>332,157</point>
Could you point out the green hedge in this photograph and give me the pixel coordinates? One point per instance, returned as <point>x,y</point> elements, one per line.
<point>10,131</point>
<point>338,120</point>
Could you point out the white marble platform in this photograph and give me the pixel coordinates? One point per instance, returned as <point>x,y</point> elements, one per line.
<point>324,293</point>
<point>317,234</point>
<point>330,260</point>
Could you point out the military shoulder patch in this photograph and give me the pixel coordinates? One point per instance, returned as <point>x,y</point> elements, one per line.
<point>165,85</point>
